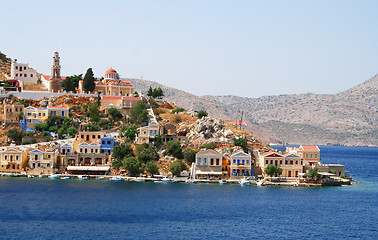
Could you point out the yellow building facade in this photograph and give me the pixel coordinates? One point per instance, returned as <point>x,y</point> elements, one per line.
<point>13,160</point>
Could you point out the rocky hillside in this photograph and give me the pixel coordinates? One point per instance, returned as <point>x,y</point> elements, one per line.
<point>5,65</point>
<point>347,118</point>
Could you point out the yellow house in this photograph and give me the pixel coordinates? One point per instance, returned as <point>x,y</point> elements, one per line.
<point>146,134</point>
<point>310,154</point>
<point>13,160</point>
<point>87,137</point>
<point>34,115</point>
<point>291,164</point>
<point>123,104</point>
<point>60,111</point>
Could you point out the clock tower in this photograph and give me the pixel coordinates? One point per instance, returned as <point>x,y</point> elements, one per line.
<point>55,79</point>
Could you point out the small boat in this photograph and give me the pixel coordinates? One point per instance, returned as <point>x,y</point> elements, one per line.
<point>81,177</point>
<point>191,181</point>
<point>116,179</point>
<point>53,176</point>
<point>167,180</point>
<point>139,180</point>
<point>260,183</point>
<point>30,176</point>
<point>100,178</point>
<point>245,182</point>
<point>65,178</point>
<point>41,176</point>
<point>223,181</point>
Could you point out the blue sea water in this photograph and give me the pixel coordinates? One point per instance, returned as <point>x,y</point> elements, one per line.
<point>71,209</point>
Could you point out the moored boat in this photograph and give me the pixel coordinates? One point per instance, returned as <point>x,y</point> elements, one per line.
<point>53,176</point>
<point>244,182</point>
<point>30,176</point>
<point>81,177</point>
<point>166,180</point>
<point>260,183</point>
<point>116,179</point>
<point>139,180</point>
<point>222,181</point>
<point>65,178</point>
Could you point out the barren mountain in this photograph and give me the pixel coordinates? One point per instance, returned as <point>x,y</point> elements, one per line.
<point>347,118</point>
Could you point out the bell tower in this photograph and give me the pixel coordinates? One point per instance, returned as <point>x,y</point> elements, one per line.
<point>55,79</point>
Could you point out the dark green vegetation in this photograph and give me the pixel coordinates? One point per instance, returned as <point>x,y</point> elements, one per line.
<point>177,167</point>
<point>89,81</point>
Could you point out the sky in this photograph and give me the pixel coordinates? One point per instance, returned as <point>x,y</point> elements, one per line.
<point>205,47</point>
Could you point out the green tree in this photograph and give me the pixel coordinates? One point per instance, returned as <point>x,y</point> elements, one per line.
<point>313,173</point>
<point>130,133</point>
<point>115,114</point>
<point>75,79</point>
<point>136,94</point>
<point>54,120</point>
<point>150,92</point>
<point>68,85</point>
<point>174,148</point>
<point>177,167</point>
<point>89,81</point>
<point>93,111</point>
<point>158,140</point>
<point>202,113</point>
<point>242,142</point>
<point>138,114</point>
<point>15,134</point>
<point>72,131</point>
<point>190,155</point>
<point>151,168</point>
<point>148,154</point>
<point>121,151</point>
<point>211,145</point>
<point>132,166</point>
<point>271,170</point>
<point>159,92</point>
<point>41,127</point>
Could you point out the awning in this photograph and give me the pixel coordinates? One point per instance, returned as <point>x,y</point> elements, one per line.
<point>87,168</point>
<point>208,173</point>
<point>326,174</point>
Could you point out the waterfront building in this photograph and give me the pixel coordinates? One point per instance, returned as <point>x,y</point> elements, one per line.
<point>107,144</point>
<point>87,147</point>
<point>90,136</point>
<point>291,164</point>
<point>111,85</point>
<point>123,104</point>
<point>22,72</point>
<point>240,165</point>
<point>43,161</point>
<point>208,165</point>
<point>13,160</point>
<point>309,154</point>
<point>12,112</point>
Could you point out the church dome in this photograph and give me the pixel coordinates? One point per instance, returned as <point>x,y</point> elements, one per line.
<point>111,70</point>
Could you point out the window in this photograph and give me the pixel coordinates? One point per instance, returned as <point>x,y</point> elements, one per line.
<point>103,142</point>
<point>247,162</point>
<point>16,157</point>
<point>311,155</point>
<point>104,103</point>
<point>81,150</point>
<point>211,161</point>
<point>217,161</point>
<point>16,74</point>
<point>6,157</point>
<point>25,75</point>
<point>267,162</point>
<point>291,162</point>
<point>238,162</point>
<point>82,136</point>
<point>25,69</point>
<point>296,162</point>
<point>199,161</point>
<point>306,155</point>
<point>243,162</point>
<point>31,75</point>
<point>36,157</point>
<point>92,150</point>
<point>286,162</point>
<point>93,136</point>
<point>234,162</point>
<point>96,150</point>
<point>316,155</point>
<point>98,136</point>
<point>280,162</point>
<point>108,142</point>
<point>271,161</point>
<point>205,161</point>
<point>16,67</point>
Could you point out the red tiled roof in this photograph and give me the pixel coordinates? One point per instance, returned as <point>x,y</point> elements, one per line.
<point>111,97</point>
<point>47,77</point>
<point>111,70</point>
<point>57,107</point>
<point>132,98</point>
<point>309,148</point>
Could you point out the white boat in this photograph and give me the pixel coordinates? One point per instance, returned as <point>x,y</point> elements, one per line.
<point>223,181</point>
<point>81,177</point>
<point>41,176</point>
<point>245,182</point>
<point>116,179</point>
<point>139,180</point>
<point>65,178</point>
<point>260,183</point>
<point>53,176</point>
<point>191,181</point>
<point>100,178</point>
<point>30,176</point>
<point>166,180</point>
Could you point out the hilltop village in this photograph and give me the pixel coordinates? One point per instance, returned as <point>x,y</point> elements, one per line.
<point>102,128</point>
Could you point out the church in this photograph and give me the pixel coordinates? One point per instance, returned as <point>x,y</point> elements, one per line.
<point>111,85</point>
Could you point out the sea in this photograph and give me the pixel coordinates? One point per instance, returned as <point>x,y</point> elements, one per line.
<point>95,209</point>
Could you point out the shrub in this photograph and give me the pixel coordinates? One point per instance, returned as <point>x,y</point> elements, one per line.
<point>202,113</point>
<point>211,145</point>
<point>177,110</point>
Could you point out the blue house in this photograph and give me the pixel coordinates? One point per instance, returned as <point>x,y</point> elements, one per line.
<point>107,144</point>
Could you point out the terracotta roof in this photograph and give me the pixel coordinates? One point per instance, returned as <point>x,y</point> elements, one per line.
<point>47,77</point>
<point>52,107</point>
<point>111,70</point>
<point>309,148</point>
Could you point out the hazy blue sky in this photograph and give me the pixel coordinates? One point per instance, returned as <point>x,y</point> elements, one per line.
<point>245,48</point>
